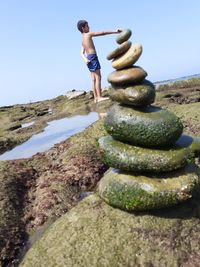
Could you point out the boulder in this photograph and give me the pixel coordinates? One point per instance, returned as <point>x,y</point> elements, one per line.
<point>150,126</point>
<point>96,234</point>
<point>127,76</point>
<point>141,192</point>
<point>121,49</point>
<point>74,94</point>
<point>138,95</point>
<point>129,58</point>
<point>143,160</point>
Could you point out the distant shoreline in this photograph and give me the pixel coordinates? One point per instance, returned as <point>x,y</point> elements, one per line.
<point>178,79</point>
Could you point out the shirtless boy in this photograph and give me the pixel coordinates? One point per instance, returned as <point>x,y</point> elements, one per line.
<point>89,55</point>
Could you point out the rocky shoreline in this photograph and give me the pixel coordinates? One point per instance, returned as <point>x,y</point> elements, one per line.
<point>37,191</point>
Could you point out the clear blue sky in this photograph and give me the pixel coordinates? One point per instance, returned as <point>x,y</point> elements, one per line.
<point>40,44</point>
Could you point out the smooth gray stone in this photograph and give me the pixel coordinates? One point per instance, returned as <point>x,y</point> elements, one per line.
<point>123,36</point>
<point>121,49</point>
<point>128,76</point>
<point>129,58</point>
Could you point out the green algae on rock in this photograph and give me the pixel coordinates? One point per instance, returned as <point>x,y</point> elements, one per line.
<point>123,36</point>
<point>149,127</point>
<point>127,76</point>
<point>137,159</point>
<point>96,234</point>
<point>141,94</point>
<point>133,192</point>
<point>128,58</point>
<point>119,50</point>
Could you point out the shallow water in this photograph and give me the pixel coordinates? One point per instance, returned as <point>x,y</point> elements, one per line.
<point>55,132</point>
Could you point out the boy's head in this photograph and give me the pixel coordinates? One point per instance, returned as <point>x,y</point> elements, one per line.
<point>81,24</point>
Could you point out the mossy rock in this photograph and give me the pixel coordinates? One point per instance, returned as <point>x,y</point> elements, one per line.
<point>128,76</point>
<point>123,36</point>
<point>138,95</point>
<point>133,192</point>
<point>96,234</point>
<point>149,127</point>
<point>129,58</point>
<point>137,159</point>
<point>119,50</point>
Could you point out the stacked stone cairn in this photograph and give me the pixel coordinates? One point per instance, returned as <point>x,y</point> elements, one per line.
<point>149,158</point>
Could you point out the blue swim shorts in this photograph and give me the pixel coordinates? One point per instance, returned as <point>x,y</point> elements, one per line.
<point>94,62</point>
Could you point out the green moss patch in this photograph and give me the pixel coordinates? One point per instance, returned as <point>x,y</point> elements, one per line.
<point>134,192</point>
<point>148,127</point>
<point>131,158</point>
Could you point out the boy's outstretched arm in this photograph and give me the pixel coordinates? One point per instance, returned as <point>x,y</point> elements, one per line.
<point>93,34</point>
<point>83,55</point>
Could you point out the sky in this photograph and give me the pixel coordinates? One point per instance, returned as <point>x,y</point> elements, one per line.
<point>40,44</point>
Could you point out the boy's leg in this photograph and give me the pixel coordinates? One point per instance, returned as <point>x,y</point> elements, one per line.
<point>97,76</point>
<point>94,87</point>
<point>97,81</point>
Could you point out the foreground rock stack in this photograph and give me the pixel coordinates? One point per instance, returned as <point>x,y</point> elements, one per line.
<point>150,158</point>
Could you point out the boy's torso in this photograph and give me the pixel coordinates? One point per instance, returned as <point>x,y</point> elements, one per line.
<point>88,44</point>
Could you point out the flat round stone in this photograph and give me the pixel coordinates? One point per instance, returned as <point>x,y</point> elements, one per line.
<point>150,126</point>
<point>121,49</point>
<point>135,192</point>
<point>137,159</point>
<point>141,94</point>
<point>127,76</point>
<point>123,36</point>
<point>129,58</point>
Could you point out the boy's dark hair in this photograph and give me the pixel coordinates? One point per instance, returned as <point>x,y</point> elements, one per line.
<point>80,24</point>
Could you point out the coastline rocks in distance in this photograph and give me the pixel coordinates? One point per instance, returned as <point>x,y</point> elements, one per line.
<point>141,94</point>
<point>119,50</point>
<point>128,58</point>
<point>123,36</point>
<point>150,126</point>
<point>74,94</point>
<point>138,192</point>
<point>127,76</point>
<point>142,160</point>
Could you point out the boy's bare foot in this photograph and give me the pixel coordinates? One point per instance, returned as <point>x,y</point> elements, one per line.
<point>102,99</point>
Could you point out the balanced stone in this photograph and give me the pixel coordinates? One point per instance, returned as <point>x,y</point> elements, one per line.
<point>123,36</point>
<point>150,126</point>
<point>133,192</point>
<point>137,159</point>
<point>121,49</point>
<point>129,58</point>
<point>127,76</point>
<point>141,94</point>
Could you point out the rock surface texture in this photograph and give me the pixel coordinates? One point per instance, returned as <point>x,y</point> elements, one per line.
<point>160,173</point>
<point>142,140</point>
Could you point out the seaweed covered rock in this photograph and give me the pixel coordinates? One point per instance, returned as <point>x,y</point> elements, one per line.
<point>143,160</point>
<point>149,127</point>
<point>96,234</point>
<point>139,192</point>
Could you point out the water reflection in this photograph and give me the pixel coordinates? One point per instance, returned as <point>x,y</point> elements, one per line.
<point>55,132</point>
